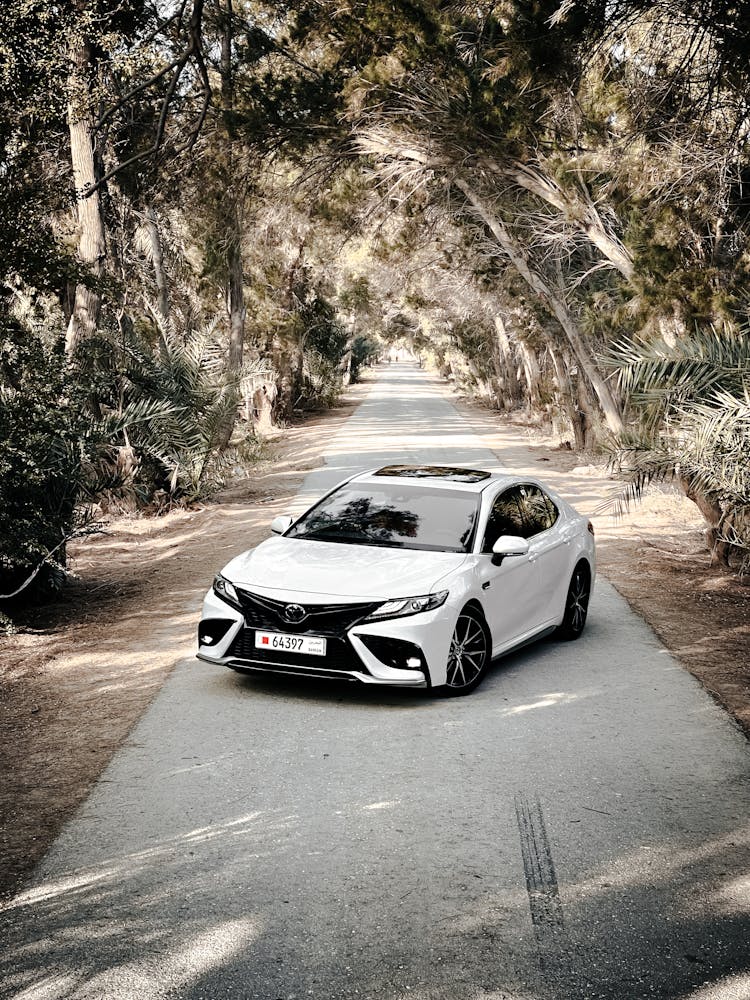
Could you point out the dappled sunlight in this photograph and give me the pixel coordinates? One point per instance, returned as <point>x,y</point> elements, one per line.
<point>708,642</point>
<point>546,701</point>
<point>664,861</point>
<point>191,957</point>
<point>513,993</point>
<point>49,987</point>
<point>730,988</point>
<point>261,823</point>
<point>59,887</point>
<point>121,659</point>
<point>734,897</point>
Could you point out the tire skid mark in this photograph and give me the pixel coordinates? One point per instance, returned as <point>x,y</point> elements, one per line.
<point>539,868</point>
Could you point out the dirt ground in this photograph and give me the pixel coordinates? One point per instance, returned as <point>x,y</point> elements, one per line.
<point>78,674</point>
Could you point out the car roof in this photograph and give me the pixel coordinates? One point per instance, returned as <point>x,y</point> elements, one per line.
<point>449,477</point>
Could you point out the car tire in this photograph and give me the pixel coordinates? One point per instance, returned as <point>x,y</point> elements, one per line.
<point>469,656</point>
<point>576,604</point>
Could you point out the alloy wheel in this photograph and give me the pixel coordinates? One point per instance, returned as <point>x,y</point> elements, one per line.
<point>576,605</point>
<point>467,657</point>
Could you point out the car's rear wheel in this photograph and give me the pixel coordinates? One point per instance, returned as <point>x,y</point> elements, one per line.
<point>576,604</point>
<point>469,655</point>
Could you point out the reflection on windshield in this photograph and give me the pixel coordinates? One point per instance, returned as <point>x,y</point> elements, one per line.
<point>393,516</point>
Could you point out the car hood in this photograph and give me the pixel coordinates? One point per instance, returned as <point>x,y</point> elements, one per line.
<point>328,569</point>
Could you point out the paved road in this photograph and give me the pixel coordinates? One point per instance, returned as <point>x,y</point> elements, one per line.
<point>576,828</point>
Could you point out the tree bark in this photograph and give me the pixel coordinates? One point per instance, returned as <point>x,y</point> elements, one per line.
<point>531,374</point>
<point>232,219</point>
<point>512,393</point>
<point>84,318</point>
<point>554,303</point>
<point>263,408</point>
<point>157,259</point>
<point>235,271</point>
<point>711,510</point>
<point>235,292</point>
<point>575,418</point>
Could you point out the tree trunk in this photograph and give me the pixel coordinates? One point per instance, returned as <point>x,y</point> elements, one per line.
<point>235,292</point>
<point>482,382</point>
<point>575,417</point>
<point>532,375</point>
<point>235,272</point>
<point>711,511</point>
<point>554,303</point>
<point>586,411</point>
<point>263,408</point>
<point>157,259</point>
<point>84,318</point>
<point>512,393</point>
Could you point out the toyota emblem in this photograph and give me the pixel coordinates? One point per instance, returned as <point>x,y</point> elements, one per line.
<point>294,613</point>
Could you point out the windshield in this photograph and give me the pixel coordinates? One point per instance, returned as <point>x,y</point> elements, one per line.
<point>393,515</point>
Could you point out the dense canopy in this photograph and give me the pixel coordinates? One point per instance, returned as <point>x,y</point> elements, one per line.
<point>216,211</point>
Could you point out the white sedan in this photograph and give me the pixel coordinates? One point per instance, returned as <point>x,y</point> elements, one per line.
<point>414,576</point>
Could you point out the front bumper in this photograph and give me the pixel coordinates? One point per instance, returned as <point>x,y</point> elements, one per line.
<point>368,653</point>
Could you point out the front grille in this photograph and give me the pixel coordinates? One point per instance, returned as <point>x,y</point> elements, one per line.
<point>340,655</point>
<point>321,619</point>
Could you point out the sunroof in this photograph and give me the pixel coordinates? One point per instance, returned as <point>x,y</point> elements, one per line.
<point>448,472</point>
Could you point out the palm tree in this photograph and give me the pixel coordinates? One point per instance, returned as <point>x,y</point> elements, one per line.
<point>693,400</point>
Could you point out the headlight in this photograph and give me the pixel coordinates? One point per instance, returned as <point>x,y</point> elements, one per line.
<point>408,606</point>
<point>225,589</point>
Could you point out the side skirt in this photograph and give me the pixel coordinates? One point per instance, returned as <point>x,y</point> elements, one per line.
<point>534,637</point>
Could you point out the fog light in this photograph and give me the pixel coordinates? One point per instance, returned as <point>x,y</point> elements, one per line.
<point>396,653</point>
<point>212,630</point>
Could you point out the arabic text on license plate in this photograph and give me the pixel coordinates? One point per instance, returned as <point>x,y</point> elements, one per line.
<point>312,645</point>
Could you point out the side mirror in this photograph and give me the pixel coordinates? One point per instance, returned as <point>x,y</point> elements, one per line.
<point>509,545</point>
<point>280,524</point>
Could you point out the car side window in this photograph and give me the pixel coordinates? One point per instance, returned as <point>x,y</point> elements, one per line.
<point>506,518</point>
<point>538,511</point>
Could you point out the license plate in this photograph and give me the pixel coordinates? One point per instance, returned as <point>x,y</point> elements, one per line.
<point>310,645</point>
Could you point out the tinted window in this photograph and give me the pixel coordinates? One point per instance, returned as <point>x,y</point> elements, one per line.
<point>393,515</point>
<point>522,510</point>
<point>539,513</point>
<point>505,518</point>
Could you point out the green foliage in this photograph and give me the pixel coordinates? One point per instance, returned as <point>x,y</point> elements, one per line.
<point>41,458</point>
<point>694,408</point>
<point>323,341</point>
<point>185,398</point>
<point>365,350</point>
<point>122,421</point>
<point>55,458</point>
<point>190,378</point>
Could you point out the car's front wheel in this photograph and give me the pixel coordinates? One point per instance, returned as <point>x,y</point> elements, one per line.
<point>576,604</point>
<point>469,655</point>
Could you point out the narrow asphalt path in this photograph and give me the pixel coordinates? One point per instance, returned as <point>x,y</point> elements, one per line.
<point>577,828</point>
